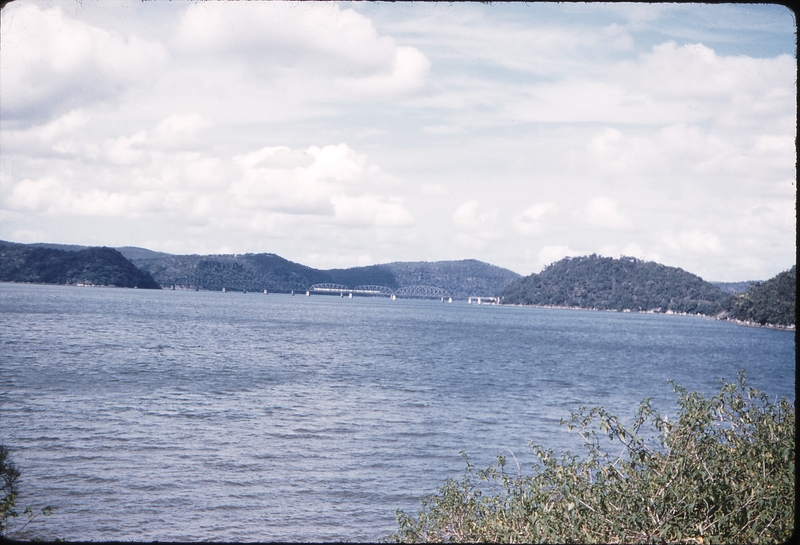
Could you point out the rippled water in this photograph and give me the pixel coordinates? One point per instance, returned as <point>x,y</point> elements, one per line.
<point>182,415</point>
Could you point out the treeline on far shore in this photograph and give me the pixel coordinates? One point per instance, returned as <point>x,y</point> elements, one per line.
<point>772,302</point>
<point>630,284</point>
<point>587,282</point>
<point>96,266</point>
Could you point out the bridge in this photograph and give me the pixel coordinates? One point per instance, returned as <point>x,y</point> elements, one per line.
<point>416,292</point>
<point>371,290</point>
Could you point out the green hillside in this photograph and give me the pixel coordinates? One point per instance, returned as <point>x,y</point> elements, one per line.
<point>605,283</point>
<point>464,278</point>
<point>772,302</point>
<point>256,272</point>
<point>251,272</point>
<point>91,266</point>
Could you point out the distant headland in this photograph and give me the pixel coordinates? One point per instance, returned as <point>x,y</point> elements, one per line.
<point>590,282</point>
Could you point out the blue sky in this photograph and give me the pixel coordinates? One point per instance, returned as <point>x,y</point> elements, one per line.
<point>344,134</point>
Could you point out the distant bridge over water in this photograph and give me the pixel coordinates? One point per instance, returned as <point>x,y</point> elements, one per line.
<point>372,290</point>
<point>416,292</point>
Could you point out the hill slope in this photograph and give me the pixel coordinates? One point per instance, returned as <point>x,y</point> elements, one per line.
<point>255,272</point>
<point>734,287</point>
<point>772,302</point>
<point>464,278</point>
<point>605,283</point>
<point>94,266</point>
<point>251,272</point>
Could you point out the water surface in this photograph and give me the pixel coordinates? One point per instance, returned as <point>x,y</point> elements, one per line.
<point>181,415</point>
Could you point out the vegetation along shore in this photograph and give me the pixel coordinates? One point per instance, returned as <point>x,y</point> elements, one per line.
<point>723,471</point>
<point>589,282</point>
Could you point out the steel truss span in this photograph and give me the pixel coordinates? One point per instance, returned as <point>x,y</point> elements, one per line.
<point>332,288</point>
<point>373,290</point>
<point>422,291</point>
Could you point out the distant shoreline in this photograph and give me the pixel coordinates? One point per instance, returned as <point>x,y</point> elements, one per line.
<point>667,313</point>
<point>743,323</point>
<point>73,285</point>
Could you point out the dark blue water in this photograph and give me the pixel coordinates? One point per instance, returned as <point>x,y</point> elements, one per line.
<point>182,415</point>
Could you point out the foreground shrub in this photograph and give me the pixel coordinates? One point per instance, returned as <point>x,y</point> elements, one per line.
<point>9,477</point>
<point>723,472</point>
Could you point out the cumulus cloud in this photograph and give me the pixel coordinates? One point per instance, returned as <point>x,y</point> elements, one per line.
<point>669,84</point>
<point>55,197</point>
<point>477,229</point>
<point>530,222</point>
<point>277,38</point>
<point>371,210</point>
<point>64,125</point>
<point>602,212</point>
<point>332,182</point>
<point>694,241</point>
<point>203,125</point>
<point>179,132</point>
<point>553,253</point>
<point>468,217</point>
<point>53,63</point>
<point>408,73</point>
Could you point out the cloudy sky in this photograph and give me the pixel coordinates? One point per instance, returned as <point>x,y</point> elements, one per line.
<point>344,134</point>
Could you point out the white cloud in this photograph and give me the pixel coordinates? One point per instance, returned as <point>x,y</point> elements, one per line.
<point>408,74</point>
<point>55,197</point>
<point>126,150</point>
<point>66,124</point>
<point>469,129</point>
<point>694,241</point>
<point>602,212</point>
<point>282,39</point>
<point>477,229</point>
<point>331,182</point>
<point>178,132</point>
<point>529,223</point>
<point>371,210</point>
<point>25,235</point>
<point>434,190</point>
<point>337,181</point>
<point>468,218</point>
<point>551,254</point>
<point>339,163</point>
<point>52,62</point>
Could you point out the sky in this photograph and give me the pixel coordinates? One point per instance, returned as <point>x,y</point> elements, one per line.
<point>347,134</point>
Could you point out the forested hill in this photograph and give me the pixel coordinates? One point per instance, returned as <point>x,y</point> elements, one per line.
<point>462,278</point>
<point>92,266</point>
<point>605,283</point>
<point>772,302</point>
<point>256,272</point>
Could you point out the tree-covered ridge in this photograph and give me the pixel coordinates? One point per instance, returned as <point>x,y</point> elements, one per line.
<point>92,266</point>
<point>250,272</point>
<point>772,302</point>
<point>606,283</point>
<point>464,278</point>
<point>256,272</point>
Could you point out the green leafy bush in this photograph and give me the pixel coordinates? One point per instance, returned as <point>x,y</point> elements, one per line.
<point>722,472</point>
<point>9,477</point>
